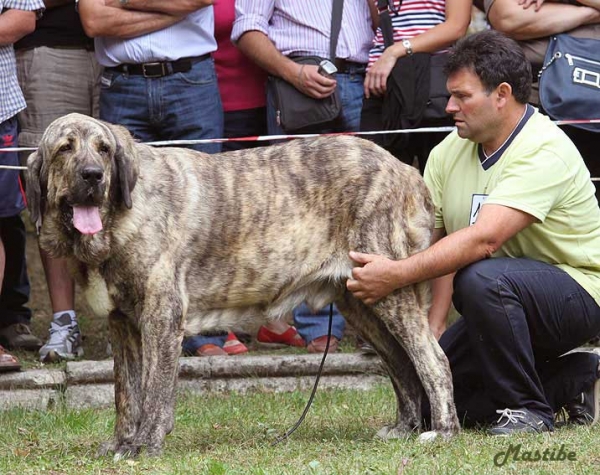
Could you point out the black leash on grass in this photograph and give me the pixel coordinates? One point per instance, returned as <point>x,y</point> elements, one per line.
<point>290,431</point>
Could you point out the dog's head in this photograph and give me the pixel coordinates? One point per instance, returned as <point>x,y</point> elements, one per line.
<point>81,166</point>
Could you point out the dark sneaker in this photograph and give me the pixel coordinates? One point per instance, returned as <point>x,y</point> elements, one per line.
<point>584,410</point>
<point>364,347</point>
<point>518,421</point>
<point>18,336</point>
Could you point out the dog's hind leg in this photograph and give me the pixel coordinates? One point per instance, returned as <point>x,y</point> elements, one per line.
<point>127,353</point>
<point>405,381</point>
<point>406,319</point>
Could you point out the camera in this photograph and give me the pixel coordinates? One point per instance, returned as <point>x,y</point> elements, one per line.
<point>327,68</point>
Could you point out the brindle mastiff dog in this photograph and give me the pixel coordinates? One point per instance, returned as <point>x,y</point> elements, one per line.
<point>168,240</point>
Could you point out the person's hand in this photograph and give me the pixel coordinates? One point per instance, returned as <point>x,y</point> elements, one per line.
<point>310,82</point>
<point>372,281</point>
<point>377,75</point>
<point>527,3</point>
<point>437,330</point>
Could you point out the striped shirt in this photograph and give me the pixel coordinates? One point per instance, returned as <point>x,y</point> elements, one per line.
<point>11,97</point>
<point>302,27</point>
<point>192,36</point>
<point>413,18</point>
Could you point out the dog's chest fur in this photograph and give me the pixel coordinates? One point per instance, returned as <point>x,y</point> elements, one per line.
<point>97,294</point>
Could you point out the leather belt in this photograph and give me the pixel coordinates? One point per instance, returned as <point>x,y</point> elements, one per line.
<point>349,67</point>
<point>159,69</point>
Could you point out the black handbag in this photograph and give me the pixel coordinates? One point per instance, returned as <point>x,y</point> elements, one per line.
<point>569,81</point>
<point>416,87</point>
<point>295,110</point>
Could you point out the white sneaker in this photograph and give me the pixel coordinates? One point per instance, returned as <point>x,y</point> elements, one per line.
<point>64,341</point>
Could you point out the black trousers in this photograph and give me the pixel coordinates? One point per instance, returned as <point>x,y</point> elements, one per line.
<point>518,319</point>
<point>405,147</point>
<point>15,286</point>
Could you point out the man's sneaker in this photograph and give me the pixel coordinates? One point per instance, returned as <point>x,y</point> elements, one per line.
<point>18,336</point>
<point>584,410</point>
<point>64,341</point>
<point>513,421</point>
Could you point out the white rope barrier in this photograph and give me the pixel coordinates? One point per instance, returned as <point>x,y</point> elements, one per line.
<point>265,138</point>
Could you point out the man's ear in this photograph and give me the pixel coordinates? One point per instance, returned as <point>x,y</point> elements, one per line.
<point>504,93</point>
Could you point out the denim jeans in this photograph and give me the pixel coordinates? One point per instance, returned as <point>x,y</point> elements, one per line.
<point>14,293</point>
<point>314,325</point>
<point>519,317</point>
<point>192,343</point>
<point>244,123</point>
<point>309,325</point>
<point>181,106</point>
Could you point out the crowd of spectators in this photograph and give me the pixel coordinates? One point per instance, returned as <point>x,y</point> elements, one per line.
<point>191,70</point>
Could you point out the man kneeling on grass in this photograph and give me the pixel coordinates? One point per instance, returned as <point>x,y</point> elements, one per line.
<point>516,248</point>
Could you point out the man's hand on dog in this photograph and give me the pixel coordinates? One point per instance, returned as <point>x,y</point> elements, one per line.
<point>373,280</point>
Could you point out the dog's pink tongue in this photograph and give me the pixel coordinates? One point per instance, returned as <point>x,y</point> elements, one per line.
<point>86,219</point>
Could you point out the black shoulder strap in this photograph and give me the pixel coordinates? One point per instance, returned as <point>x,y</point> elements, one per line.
<point>336,25</point>
<point>385,21</point>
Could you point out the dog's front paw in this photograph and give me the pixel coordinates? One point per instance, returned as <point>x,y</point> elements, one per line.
<point>106,448</point>
<point>392,432</point>
<point>154,450</point>
<point>126,451</point>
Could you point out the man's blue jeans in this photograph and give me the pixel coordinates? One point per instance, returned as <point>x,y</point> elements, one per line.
<point>181,106</point>
<point>309,325</point>
<point>14,293</point>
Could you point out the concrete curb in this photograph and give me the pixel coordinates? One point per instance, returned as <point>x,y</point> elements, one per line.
<point>89,384</point>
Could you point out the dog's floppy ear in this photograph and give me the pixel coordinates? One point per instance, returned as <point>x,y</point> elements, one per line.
<point>126,161</point>
<point>34,187</point>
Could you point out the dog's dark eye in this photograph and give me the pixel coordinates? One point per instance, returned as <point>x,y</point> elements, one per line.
<point>65,148</point>
<point>103,148</point>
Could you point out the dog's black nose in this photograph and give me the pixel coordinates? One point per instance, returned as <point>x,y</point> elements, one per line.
<point>92,175</point>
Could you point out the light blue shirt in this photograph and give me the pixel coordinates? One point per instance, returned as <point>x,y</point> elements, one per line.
<point>303,27</point>
<point>192,36</point>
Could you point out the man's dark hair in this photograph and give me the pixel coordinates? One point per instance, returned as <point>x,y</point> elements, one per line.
<point>495,59</point>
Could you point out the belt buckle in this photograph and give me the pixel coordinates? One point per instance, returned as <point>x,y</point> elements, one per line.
<point>150,75</point>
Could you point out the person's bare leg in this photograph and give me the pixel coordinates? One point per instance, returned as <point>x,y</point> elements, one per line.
<point>65,337</point>
<point>278,326</point>
<point>61,287</point>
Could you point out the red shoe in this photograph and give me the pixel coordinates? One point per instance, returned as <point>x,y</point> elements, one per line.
<point>210,350</point>
<point>233,346</point>
<point>290,337</point>
<point>8,362</point>
<point>318,345</point>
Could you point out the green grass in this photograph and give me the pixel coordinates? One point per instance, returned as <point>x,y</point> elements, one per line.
<point>232,434</point>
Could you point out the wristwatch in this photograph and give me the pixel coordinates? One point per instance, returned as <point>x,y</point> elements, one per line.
<point>405,43</point>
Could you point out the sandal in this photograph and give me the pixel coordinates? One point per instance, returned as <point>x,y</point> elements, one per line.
<point>8,362</point>
<point>318,345</point>
<point>290,337</point>
<point>233,346</point>
<point>210,350</point>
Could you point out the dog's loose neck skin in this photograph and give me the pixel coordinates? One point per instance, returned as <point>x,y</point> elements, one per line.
<point>60,239</point>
